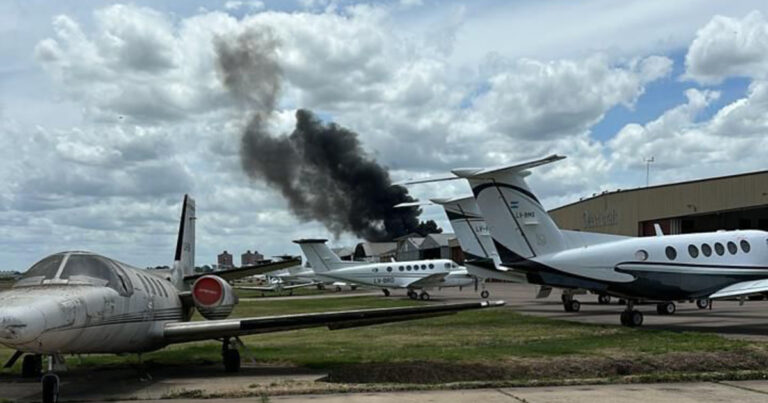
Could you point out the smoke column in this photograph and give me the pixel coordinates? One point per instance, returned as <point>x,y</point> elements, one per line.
<point>320,169</point>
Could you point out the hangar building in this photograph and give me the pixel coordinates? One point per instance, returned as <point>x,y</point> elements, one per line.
<point>723,203</point>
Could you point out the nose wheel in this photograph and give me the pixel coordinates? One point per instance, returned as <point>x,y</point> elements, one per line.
<point>424,296</point>
<point>230,356</point>
<point>570,304</point>
<point>50,384</point>
<point>484,294</point>
<point>631,317</point>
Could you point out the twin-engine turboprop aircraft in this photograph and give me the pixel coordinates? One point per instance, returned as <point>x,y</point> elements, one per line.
<point>661,269</point>
<point>411,275</point>
<point>80,303</point>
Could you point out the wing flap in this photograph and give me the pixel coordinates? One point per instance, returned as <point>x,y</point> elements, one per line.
<point>742,288</point>
<point>429,281</point>
<point>178,332</point>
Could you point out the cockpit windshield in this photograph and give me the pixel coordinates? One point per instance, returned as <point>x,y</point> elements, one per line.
<point>79,268</point>
<point>45,269</point>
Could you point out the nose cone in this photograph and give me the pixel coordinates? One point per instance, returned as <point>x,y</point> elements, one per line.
<point>20,325</point>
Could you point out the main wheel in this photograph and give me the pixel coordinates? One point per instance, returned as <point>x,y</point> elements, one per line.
<point>575,305</point>
<point>338,288</point>
<point>634,318</point>
<point>666,308</point>
<point>413,295</point>
<point>31,366</point>
<point>386,292</point>
<point>424,296</point>
<point>603,299</point>
<point>231,359</point>
<point>623,318</point>
<point>484,294</point>
<point>50,384</point>
<point>702,303</point>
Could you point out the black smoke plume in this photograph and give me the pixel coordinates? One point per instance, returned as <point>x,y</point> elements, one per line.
<point>321,169</point>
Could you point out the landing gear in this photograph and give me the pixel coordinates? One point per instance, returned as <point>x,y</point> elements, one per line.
<point>353,287</point>
<point>50,381</point>
<point>666,308</point>
<point>386,292</point>
<point>413,294</point>
<point>570,304</point>
<point>631,317</point>
<point>603,299</point>
<point>230,356</point>
<point>338,288</point>
<point>702,303</point>
<point>50,384</point>
<point>32,366</point>
<point>484,294</point>
<point>424,296</point>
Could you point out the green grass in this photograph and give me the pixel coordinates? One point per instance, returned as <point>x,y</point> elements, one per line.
<point>296,292</point>
<point>492,336</point>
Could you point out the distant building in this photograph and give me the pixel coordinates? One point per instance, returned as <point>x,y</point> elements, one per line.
<point>437,246</point>
<point>344,253</point>
<point>251,258</point>
<point>375,251</point>
<point>409,247</point>
<point>225,261</point>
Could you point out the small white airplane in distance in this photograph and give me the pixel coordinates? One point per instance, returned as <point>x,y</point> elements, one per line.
<point>412,275</point>
<point>305,273</point>
<point>661,269</point>
<point>275,284</point>
<point>84,303</point>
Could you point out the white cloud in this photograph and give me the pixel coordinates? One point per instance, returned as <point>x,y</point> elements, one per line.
<point>728,47</point>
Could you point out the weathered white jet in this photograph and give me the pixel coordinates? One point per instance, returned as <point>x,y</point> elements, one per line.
<point>412,275</point>
<point>81,303</point>
<point>661,269</point>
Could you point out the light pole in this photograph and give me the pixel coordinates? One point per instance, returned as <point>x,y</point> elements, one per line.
<point>648,162</point>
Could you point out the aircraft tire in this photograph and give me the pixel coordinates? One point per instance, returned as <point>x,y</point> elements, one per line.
<point>424,296</point>
<point>413,295</point>
<point>31,366</point>
<point>702,303</point>
<point>623,318</point>
<point>50,383</point>
<point>484,294</point>
<point>634,318</point>
<point>603,299</point>
<point>386,292</point>
<point>574,305</point>
<point>231,358</point>
<point>338,288</point>
<point>666,308</point>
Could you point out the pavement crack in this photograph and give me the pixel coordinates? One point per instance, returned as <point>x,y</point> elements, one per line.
<point>742,388</point>
<point>519,399</point>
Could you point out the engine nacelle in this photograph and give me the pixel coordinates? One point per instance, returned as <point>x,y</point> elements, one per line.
<point>214,298</point>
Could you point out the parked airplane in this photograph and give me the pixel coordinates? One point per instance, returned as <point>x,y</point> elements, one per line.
<point>82,303</point>
<point>411,275</point>
<point>275,284</point>
<point>305,273</point>
<point>661,269</point>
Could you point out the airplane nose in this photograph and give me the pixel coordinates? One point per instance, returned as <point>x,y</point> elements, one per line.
<point>20,325</point>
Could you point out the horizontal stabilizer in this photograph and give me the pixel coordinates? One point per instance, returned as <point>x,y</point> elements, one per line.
<point>245,271</point>
<point>481,172</point>
<point>413,204</point>
<point>742,289</point>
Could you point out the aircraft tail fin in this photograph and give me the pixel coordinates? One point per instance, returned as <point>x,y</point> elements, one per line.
<point>470,228</point>
<point>184,259</point>
<point>320,256</point>
<point>520,226</point>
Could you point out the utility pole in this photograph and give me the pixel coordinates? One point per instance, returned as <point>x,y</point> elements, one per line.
<point>648,162</point>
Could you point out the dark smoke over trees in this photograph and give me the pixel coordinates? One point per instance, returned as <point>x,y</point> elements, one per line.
<point>321,169</point>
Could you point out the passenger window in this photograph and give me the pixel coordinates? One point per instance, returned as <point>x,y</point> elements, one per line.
<point>389,269</point>
<point>375,270</point>
<point>671,253</point>
<point>423,267</point>
<point>400,268</point>
<point>431,266</point>
<point>732,249</point>
<point>745,246</point>
<point>641,255</point>
<point>408,268</point>
<point>719,249</point>
<point>706,250</point>
<point>693,251</point>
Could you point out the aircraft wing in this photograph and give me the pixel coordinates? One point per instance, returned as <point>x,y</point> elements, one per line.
<point>245,271</point>
<point>432,280</point>
<point>179,332</point>
<point>274,287</point>
<point>742,288</point>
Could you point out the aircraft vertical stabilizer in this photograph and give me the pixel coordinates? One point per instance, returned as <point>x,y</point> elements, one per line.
<point>184,259</point>
<point>321,257</point>
<point>520,226</point>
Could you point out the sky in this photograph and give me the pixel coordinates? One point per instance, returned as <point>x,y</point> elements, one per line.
<point>111,112</point>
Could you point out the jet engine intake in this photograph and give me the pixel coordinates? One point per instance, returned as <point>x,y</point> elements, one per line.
<point>214,298</point>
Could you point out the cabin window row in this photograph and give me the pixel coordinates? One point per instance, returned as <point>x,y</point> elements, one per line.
<point>409,267</point>
<point>706,250</point>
